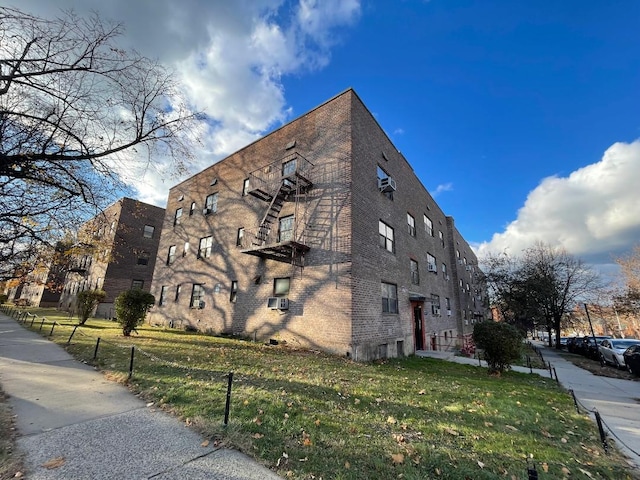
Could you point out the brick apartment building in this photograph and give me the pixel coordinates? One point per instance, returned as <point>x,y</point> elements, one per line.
<point>320,235</point>
<point>116,251</point>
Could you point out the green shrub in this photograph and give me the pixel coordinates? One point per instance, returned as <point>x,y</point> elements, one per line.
<point>87,301</point>
<point>501,343</point>
<point>131,308</point>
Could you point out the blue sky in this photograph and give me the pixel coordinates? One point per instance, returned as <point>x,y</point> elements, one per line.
<point>521,117</point>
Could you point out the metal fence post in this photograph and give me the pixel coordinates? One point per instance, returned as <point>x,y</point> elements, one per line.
<point>228,402</point>
<point>133,349</point>
<point>95,351</point>
<point>603,436</point>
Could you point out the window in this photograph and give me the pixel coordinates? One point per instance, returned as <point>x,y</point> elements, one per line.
<point>245,187</point>
<point>137,284</point>
<point>213,181</point>
<point>447,304</point>
<point>432,265</point>
<point>233,296</point>
<point>176,217</point>
<point>148,231</point>
<point>210,204</point>
<point>204,249</point>
<point>192,208</point>
<point>411,224</point>
<point>143,258</point>
<point>444,271</point>
<point>441,237</point>
<point>163,295</point>
<point>178,290</point>
<point>285,229</point>
<point>415,275</point>
<point>386,236</point>
<point>197,296</point>
<point>435,304</point>
<point>381,173</point>
<point>171,257</point>
<point>186,249</point>
<point>289,168</point>
<point>281,286</point>
<point>113,226</point>
<point>428,225</point>
<point>240,237</point>
<point>389,298</point>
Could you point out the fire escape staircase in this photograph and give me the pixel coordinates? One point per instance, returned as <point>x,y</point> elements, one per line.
<point>265,243</point>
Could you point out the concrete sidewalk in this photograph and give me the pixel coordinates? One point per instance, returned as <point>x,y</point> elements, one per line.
<point>90,428</point>
<point>617,400</point>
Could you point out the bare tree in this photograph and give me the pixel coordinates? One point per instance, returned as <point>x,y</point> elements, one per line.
<point>76,111</point>
<point>543,285</point>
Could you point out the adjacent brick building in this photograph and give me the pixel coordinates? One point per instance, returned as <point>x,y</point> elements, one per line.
<point>116,251</point>
<point>320,235</point>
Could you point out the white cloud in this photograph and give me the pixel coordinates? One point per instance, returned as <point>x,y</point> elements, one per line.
<point>230,56</point>
<point>444,187</point>
<point>592,213</point>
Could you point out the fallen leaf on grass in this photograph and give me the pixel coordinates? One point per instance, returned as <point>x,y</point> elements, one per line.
<point>391,420</point>
<point>317,422</point>
<point>54,463</point>
<point>307,442</point>
<point>546,434</point>
<point>422,392</point>
<point>347,465</point>
<point>566,471</point>
<point>480,464</point>
<point>510,427</point>
<point>545,467</point>
<point>488,424</point>
<point>588,474</point>
<point>450,431</point>
<point>563,440</point>
<point>205,443</point>
<point>257,435</point>
<point>397,458</point>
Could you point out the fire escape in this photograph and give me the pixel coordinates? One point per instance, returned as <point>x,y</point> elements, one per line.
<point>285,181</point>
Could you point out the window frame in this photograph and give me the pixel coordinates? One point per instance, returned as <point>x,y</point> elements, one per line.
<point>281,222</point>
<point>210,204</point>
<point>428,224</point>
<point>390,302</point>
<point>137,284</point>
<point>411,224</point>
<point>163,295</point>
<point>233,291</point>
<point>240,237</point>
<point>205,246</point>
<point>278,290</point>
<point>145,229</point>
<point>414,270</point>
<point>199,297</point>
<point>246,186</point>
<point>171,254</point>
<point>389,244</point>
<point>177,216</point>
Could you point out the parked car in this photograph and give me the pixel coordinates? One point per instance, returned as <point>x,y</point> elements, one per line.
<point>589,346</point>
<point>571,344</point>
<point>563,342</point>
<point>632,359</point>
<point>612,350</point>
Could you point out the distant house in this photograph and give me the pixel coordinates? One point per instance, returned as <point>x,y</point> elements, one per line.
<point>320,235</point>
<point>116,251</point>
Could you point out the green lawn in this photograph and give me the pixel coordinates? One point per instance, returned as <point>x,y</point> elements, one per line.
<point>309,415</point>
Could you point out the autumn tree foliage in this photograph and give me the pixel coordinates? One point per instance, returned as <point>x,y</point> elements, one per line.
<point>76,111</point>
<point>628,301</point>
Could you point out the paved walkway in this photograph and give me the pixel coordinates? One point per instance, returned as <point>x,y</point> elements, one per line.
<point>617,400</point>
<point>83,426</point>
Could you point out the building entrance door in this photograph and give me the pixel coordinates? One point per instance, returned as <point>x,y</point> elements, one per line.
<point>418,329</point>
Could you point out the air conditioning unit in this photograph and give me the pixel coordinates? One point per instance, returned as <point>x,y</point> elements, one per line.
<point>387,184</point>
<point>278,303</point>
<point>448,313</point>
<point>468,268</point>
<point>460,261</point>
<point>436,310</point>
<point>206,211</point>
<point>198,304</point>
<point>432,268</point>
